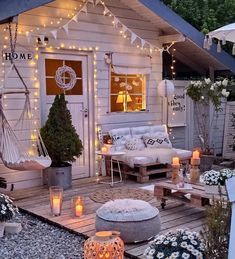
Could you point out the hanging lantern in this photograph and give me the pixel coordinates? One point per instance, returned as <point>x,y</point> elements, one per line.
<point>165,88</point>
<point>105,244</point>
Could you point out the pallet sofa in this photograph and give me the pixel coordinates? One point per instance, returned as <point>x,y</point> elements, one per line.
<point>148,151</point>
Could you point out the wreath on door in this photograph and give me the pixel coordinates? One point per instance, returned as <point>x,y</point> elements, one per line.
<point>60,77</point>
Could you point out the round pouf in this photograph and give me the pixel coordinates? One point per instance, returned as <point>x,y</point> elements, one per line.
<point>136,220</point>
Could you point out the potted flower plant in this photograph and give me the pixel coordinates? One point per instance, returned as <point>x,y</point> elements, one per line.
<point>62,142</point>
<point>180,244</point>
<point>205,93</point>
<point>215,180</point>
<point>7,211</point>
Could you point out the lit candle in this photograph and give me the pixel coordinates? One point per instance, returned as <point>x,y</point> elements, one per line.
<point>196,154</point>
<point>56,205</point>
<point>104,149</point>
<point>78,210</point>
<point>175,161</point>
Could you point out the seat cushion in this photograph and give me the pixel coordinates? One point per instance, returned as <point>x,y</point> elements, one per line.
<point>182,153</point>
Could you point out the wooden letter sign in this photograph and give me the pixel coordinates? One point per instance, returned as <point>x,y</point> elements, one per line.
<point>17,56</point>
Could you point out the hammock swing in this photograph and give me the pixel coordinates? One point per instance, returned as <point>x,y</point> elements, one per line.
<point>13,153</point>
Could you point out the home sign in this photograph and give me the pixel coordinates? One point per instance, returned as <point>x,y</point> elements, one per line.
<point>17,56</point>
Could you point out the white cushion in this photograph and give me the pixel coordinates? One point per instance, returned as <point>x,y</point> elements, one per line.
<point>182,153</point>
<point>155,129</point>
<point>134,144</point>
<point>119,137</point>
<point>127,210</point>
<point>140,131</point>
<point>157,141</point>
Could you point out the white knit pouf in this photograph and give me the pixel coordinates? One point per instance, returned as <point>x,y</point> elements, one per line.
<point>136,220</point>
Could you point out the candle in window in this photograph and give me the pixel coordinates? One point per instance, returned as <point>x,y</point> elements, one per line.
<point>104,149</point>
<point>196,154</point>
<point>175,161</point>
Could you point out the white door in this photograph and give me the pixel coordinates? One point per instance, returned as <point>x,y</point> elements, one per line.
<point>77,99</point>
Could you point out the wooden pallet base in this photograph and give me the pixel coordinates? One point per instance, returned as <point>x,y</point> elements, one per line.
<point>142,172</point>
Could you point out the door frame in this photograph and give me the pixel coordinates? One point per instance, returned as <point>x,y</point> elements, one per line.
<point>90,96</point>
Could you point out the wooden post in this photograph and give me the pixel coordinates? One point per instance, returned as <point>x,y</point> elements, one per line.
<point>230,183</point>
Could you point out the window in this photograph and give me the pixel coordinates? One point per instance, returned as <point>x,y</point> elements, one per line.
<point>128,93</point>
<point>51,65</point>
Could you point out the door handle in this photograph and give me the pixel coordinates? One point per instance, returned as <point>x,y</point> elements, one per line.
<point>85,112</point>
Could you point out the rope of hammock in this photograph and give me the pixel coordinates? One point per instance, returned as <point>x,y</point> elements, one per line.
<point>11,150</point>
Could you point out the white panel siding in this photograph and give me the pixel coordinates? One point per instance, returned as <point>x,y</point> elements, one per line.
<point>92,30</point>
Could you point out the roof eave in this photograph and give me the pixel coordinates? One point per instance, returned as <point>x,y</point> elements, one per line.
<point>15,7</point>
<point>188,31</point>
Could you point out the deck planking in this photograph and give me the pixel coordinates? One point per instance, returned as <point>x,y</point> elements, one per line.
<point>36,200</point>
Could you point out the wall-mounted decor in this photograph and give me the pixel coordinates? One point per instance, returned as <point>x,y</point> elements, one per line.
<point>177,108</point>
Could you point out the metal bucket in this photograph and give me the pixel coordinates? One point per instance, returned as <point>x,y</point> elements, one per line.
<point>58,176</point>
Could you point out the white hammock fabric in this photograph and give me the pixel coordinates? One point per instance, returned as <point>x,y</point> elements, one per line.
<point>12,153</point>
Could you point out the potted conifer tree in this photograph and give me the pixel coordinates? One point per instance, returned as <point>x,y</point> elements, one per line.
<point>62,142</point>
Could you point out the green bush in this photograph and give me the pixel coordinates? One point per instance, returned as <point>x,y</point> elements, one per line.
<point>59,135</point>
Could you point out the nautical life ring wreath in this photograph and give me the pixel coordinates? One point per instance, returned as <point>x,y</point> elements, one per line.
<point>59,77</point>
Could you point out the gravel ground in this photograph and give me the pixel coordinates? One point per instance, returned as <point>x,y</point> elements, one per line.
<point>39,240</point>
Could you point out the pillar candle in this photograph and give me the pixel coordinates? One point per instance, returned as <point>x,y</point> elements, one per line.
<point>196,154</point>
<point>175,161</point>
<point>78,210</point>
<point>104,149</point>
<point>56,205</point>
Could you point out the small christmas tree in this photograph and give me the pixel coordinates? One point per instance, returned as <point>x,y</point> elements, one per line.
<point>59,135</point>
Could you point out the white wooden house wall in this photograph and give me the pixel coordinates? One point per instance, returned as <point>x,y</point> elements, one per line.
<point>93,30</point>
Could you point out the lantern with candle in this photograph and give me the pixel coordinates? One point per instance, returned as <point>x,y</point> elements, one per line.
<point>194,170</point>
<point>175,177</point>
<point>78,206</point>
<point>56,198</point>
<point>105,244</point>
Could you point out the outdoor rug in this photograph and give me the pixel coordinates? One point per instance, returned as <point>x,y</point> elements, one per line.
<point>103,196</point>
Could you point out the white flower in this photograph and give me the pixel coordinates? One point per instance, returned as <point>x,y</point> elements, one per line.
<point>152,251</point>
<point>194,242</point>
<point>173,239</point>
<point>184,244</point>
<point>212,87</point>
<point>225,93</point>
<point>225,82</point>
<point>166,242</point>
<point>174,244</point>
<point>195,252</point>
<point>3,212</point>
<point>202,97</point>
<point>175,254</point>
<point>184,237</point>
<point>190,248</point>
<point>218,83</point>
<point>4,207</point>
<point>185,255</point>
<point>160,255</point>
<point>207,80</point>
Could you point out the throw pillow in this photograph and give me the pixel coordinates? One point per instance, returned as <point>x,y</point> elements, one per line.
<point>134,144</point>
<point>161,141</point>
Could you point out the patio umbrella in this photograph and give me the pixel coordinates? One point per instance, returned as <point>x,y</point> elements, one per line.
<point>223,34</point>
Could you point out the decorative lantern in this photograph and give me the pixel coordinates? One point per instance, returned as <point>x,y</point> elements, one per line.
<point>105,244</point>
<point>78,206</point>
<point>56,198</point>
<point>165,88</point>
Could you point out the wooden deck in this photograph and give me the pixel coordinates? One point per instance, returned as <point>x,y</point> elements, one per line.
<point>36,200</point>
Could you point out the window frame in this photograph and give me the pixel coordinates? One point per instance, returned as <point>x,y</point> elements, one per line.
<point>144,93</point>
